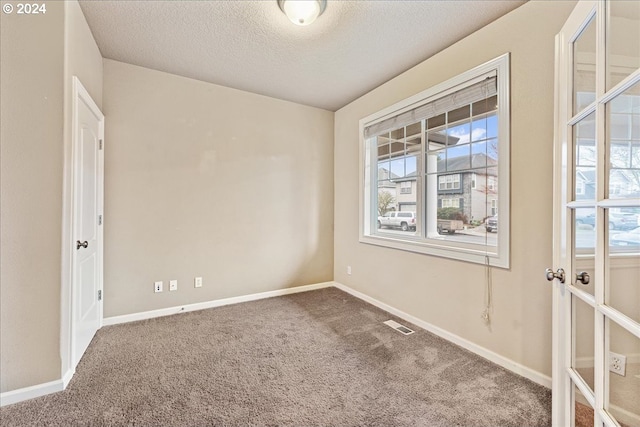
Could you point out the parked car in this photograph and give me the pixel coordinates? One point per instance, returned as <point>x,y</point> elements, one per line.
<point>630,238</point>
<point>617,220</point>
<point>492,223</point>
<point>402,220</point>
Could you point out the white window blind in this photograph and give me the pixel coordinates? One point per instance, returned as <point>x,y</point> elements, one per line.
<point>477,91</point>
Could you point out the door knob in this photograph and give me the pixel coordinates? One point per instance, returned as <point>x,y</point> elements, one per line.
<point>583,277</point>
<point>80,244</point>
<point>555,275</point>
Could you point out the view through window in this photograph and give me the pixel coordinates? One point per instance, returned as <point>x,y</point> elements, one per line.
<point>437,168</point>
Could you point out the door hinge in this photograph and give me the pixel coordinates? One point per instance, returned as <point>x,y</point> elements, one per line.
<point>100,295</point>
<point>99,219</point>
<point>100,145</point>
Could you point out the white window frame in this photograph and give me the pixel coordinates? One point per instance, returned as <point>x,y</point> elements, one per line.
<point>497,256</point>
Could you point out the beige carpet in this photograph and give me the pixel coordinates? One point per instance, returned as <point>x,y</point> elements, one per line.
<point>320,358</point>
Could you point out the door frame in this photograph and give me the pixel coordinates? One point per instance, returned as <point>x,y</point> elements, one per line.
<point>68,295</point>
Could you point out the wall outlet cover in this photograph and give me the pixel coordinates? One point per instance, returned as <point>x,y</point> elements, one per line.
<point>157,287</point>
<point>617,363</point>
<point>173,285</point>
<point>197,282</point>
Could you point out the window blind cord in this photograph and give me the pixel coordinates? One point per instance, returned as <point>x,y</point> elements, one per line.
<point>488,291</point>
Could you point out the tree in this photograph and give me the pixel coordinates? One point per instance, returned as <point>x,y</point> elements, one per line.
<point>385,202</point>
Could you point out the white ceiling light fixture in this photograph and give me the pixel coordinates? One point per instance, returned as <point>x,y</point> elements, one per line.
<point>302,12</point>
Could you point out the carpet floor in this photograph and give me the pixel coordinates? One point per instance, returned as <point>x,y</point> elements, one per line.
<point>319,358</point>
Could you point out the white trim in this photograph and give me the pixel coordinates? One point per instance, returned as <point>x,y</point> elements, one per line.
<point>26,393</point>
<point>66,378</point>
<point>500,360</point>
<point>126,318</point>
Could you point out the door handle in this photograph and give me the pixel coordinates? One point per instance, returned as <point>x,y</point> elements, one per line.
<point>583,277</point>
<point>80,244</point>
<point>555,275</point>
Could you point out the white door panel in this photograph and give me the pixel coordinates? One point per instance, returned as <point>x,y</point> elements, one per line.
<point>87,229</point>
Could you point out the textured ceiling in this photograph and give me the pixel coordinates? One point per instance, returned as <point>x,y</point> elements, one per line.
<point>250,45</point>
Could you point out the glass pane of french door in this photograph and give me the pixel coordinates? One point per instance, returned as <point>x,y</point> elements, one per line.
<point>624,377</point>
<point>623,41</point>
<point>584,345</point>
<point>584,67</point>
<point>582,410</point>
<point>623,142</point>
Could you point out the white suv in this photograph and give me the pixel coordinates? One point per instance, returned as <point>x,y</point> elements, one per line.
<point>403,220</point>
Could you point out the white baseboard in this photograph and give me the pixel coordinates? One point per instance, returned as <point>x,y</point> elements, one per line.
<point>66,378</point>
<point>115,320</point>
<point>15,396</point>
<point>506,363</point>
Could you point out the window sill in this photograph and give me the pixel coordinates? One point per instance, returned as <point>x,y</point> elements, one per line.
<point>439,249</point>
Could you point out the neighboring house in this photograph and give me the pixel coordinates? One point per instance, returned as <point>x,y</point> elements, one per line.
<point>621,184</point>
<point>407,192</point>
<point>474,193</point>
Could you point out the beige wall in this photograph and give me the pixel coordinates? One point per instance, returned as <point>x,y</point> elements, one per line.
<point>31,196</point>
<point>446,293</point>
<point>35,143</point>
<point>203,180</point>
<point>82,56</point>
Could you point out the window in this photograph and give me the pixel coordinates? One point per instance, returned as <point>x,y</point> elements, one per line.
<point>443,154</point>
<point>449,182</point>
<point>491,183</point>
<point>580,187</point>
<point>450,203</point>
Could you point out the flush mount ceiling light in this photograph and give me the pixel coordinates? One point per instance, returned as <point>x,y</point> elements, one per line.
<point>302,12</point>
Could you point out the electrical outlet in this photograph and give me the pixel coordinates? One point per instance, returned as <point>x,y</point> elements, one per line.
<point>617,363</point>
<point>348,269</point>
<point>197,282</point>
<point>157,287</point>
<point>173,285</point>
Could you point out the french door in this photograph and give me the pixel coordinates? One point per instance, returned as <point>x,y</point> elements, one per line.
<point>596,276</point>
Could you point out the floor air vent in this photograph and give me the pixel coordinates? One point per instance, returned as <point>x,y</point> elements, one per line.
<point>398,327</point>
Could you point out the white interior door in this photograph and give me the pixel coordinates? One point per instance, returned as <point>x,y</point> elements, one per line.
<point>596,296</point>
<point>88,164</point>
